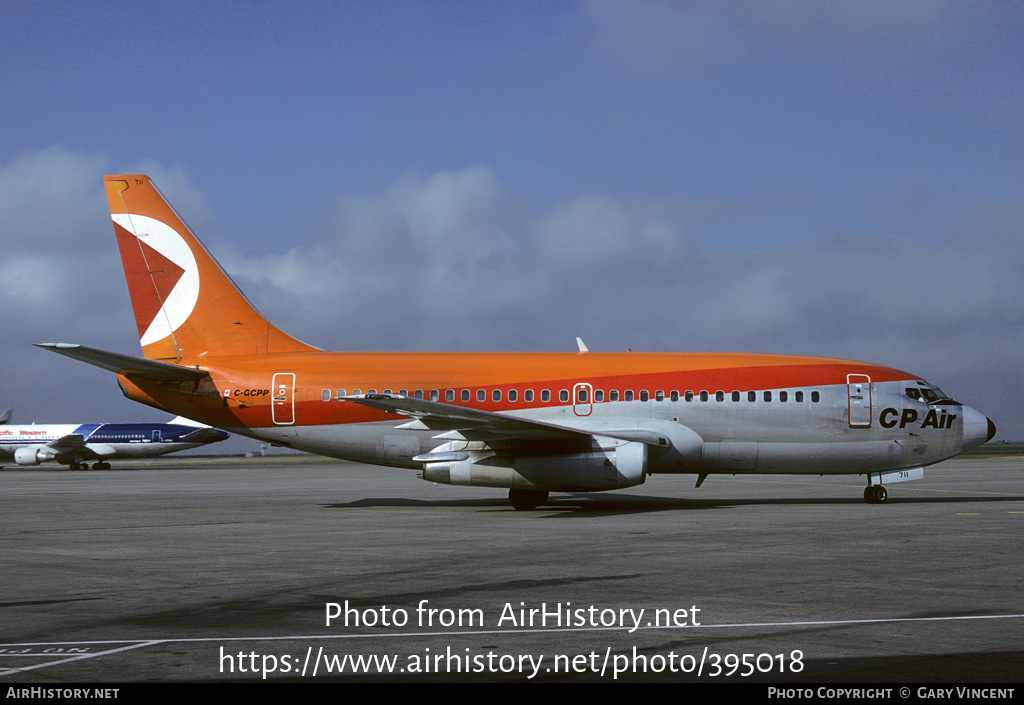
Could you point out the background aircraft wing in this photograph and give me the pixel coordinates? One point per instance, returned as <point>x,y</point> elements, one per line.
<point>74,443</point>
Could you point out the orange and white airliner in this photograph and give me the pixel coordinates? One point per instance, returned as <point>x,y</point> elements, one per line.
<point>532,423</point>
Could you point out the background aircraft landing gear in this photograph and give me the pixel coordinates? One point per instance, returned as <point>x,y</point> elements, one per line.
<point>524,500</point>
<point>875,494</point>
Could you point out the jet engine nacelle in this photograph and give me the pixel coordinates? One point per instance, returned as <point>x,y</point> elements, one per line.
<point>32,456</point>
<point>623,465</point>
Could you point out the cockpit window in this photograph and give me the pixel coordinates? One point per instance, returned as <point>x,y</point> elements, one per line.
<point>930,395</point>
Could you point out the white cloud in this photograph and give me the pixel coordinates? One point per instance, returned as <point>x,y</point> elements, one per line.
<point>51,197</point>
<point>605,232</point>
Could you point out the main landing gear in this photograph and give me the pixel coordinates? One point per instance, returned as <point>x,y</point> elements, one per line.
<point>875,494</point>
<point>102,465</point>
<point>525,500</point>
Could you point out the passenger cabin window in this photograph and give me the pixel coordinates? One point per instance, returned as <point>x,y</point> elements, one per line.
<point>751,396</point>
<point>481,395</point>
<point>528,395</point>
<point>326,395</point>
<point>627,395</point>
<point>798,397</point>
<point>703,395</point>
<point>644,396</point>
<point>465,395</point>
<point>613,395</point>
<point>496,395</point>
<point>674,396</point>
<point>582,396</point>
<point>449,395</point>
<point>545,395</point>
<point>688,396</point>
<point>815,397</point>
<point>403,392</point>
<point>659,395</point>
<point>767,396</point>
<point>719,395</point>
<point>418,394</point>
<point>563,396</point>
<point>735,396</point>
<point>598,395</point>
<point>513,395</point>
<point>341,393</point>
<point>783,396</point>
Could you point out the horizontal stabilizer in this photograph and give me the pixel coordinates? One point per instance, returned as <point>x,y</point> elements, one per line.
<point>182,421</point>
<point>126,364</point>
<point>5,416</point>
<point>203,435</point>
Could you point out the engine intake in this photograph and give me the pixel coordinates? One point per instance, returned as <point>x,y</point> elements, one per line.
<point>32,456</point>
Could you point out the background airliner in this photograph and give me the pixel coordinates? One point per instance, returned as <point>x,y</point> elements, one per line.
<point>531,423</point>
<point>78,444</point>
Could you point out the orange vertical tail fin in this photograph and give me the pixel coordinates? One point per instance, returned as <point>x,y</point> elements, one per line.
<point>185,305</point>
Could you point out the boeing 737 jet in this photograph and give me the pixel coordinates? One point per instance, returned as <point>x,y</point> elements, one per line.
<point>76,445</point>
<point>531,423</point>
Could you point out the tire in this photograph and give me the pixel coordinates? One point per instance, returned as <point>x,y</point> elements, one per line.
<point>526,500</point>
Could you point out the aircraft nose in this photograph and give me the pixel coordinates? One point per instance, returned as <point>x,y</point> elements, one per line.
<point>978,429</point>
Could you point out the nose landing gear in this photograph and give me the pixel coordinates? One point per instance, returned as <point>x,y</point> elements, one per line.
<point>875,494</point>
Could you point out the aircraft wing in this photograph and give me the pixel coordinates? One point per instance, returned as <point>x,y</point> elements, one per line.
<point>458,422</point>
<point>126,364</point>
<point>75,443</point>
<point>5,417</point>
<point>435,415</point>
<point>68,443</point>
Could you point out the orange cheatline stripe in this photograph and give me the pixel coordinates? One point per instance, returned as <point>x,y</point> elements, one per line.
<point>421,371</point>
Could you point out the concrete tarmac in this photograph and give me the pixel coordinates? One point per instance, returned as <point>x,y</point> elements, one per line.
<point>198,569</point>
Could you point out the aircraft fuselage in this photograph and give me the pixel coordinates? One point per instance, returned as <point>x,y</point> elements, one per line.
<point>718,413</point>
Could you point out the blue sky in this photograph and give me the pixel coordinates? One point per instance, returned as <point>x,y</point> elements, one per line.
<point>840,179</point>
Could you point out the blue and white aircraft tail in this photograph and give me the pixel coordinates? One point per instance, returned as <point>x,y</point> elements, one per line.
<point>76,445</point>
